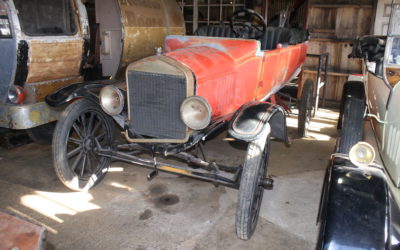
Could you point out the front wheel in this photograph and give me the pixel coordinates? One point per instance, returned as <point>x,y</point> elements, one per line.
<point>251,189</point>
<point>82,129</point>
<point>305,108</point>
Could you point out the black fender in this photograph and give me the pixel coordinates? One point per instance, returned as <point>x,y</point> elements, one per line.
<point>248,122</point>
<point>354,208</point>
<point>89,90</point>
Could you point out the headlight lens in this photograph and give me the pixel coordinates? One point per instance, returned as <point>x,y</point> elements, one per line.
<point>16,94</point>
<point>362,154</point>
<point>196,112</point>
<point>111,100</point>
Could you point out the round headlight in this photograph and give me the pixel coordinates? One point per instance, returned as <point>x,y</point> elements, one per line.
<point>196,112</point>
<point>111,100</point>
<point>16,94</point>
<point>362,154</point>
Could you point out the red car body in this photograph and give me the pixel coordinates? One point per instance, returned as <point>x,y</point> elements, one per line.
<point>231,72</point>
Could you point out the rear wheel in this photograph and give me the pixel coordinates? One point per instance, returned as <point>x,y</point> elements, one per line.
<point>80,132</point>
<point>305,108</point>
<point>251,190</point>
<point>351,89</point>
<point>352,124</point>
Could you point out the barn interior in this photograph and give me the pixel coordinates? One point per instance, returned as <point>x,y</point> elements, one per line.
<point>143,208</point>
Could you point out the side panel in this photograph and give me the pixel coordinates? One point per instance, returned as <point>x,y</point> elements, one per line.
<point>50,59</point>
<point>7,51</point>
<point>391,146</point>
<point>377,97</point>
<point>268,75</point>
<point>145,25</point>
<point>109,17</point>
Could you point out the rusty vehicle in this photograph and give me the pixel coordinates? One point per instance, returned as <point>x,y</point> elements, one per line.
<point>224,77</point>
<point>360,202</point>
<point>49,44</point>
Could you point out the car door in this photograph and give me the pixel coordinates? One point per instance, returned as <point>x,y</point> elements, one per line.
<point>50,40</point>
<point>7,51</point>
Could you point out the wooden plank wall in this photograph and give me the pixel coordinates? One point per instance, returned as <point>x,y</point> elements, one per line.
<point>333,26</point>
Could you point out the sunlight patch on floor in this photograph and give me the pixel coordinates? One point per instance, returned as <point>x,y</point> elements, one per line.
<point>52,204</point>
<point>323,119</point>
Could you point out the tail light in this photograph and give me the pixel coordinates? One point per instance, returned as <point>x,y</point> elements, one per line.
<point>16,94</point>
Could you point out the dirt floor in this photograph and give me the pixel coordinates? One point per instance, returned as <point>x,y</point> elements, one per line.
<point>125,211</point>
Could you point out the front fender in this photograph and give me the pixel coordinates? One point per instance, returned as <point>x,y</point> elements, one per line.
<point>354,208</point>
<point>70,93</point>
<point>249,121</point>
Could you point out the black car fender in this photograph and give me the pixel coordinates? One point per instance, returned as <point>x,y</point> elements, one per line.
<point>68,94</point>
<point>248,122</point>
<point>354,208</point>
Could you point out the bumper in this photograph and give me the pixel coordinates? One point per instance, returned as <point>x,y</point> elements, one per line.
<point>27,116</point>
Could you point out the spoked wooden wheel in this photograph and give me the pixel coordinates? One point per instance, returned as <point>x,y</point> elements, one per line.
<point>251,189</point>
<point>80,132</point>
<point>305,108</point>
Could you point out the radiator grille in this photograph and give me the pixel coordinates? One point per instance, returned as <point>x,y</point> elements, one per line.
<point>155,101</point>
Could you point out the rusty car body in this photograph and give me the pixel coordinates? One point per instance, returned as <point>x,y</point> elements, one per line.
<point>46,45</point>
<point>221,78</point>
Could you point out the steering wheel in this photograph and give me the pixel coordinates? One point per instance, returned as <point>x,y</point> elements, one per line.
<point>246,23</point>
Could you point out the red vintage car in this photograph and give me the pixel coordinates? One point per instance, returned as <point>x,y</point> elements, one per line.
<point>224,77</point>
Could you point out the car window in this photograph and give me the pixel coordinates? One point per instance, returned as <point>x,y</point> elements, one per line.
<point>46,17</point>
<point>5,29</point>
<point>394,56</point>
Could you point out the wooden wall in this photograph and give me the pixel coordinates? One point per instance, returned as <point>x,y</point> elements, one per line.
<point>333,25</point>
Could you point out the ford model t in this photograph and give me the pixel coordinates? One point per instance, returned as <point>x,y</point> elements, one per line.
<point>361,194</point>
<point>222,78</point>
<point>49,44</point>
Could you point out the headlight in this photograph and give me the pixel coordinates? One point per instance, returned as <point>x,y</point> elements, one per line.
<point>362,154</point>
<point>196,112</point>
<point>111,100</point>
<point>16,94</point>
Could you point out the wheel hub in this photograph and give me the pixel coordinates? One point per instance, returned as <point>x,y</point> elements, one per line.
<point>88,144</point>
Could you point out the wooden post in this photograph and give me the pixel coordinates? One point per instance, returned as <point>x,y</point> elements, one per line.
<point>195,15</point>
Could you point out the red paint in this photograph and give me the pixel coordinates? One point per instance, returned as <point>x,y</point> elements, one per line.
<point>231,72</point>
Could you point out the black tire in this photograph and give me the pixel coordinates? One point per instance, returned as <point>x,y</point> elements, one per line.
<point>352,124</point>
<point>42,134</point>
<point>82,126</point>
<point>305,108</point>
<point>351,89</point>
<point>250,190</point>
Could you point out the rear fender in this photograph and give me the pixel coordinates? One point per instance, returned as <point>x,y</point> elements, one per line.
<point>248,122</point>
<point>89,90</point>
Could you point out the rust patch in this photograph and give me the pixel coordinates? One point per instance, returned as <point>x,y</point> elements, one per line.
<point>19,234</point>
<point>36,92</point>
<point>146,23</point>
<point>52,60</point>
